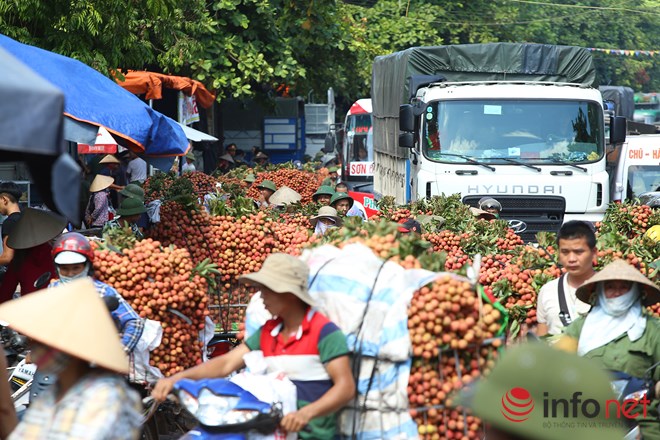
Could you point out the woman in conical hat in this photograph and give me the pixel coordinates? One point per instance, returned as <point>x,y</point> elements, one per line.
<point>74,339</point>
<point>617,331</point>
<point>97,212</point>
<point>32,267</point>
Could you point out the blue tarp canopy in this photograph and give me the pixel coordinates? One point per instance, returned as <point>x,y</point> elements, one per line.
<point>93,98</point>
<point>31,131</point>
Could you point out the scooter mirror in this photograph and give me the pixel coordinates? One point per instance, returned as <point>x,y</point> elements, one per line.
<point>111,302</point>
<point>42,281</point>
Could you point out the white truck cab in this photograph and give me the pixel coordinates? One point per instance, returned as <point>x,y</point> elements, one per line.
<point>635,166</point>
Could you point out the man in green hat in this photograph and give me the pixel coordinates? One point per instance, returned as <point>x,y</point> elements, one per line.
<point>342,202</point>
<point>535,392</point>
<point>129,213</point>
<point>323,195</point>
<point>331,180</point>
<point>249,179</point>
<point>189,165</point>
<point>132,191</point>
<point>266,189</point>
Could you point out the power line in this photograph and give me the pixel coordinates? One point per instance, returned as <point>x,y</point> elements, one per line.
<point>598,8</point>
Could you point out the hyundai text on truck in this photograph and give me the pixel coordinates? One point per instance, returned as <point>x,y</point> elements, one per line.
<point>519,122</point>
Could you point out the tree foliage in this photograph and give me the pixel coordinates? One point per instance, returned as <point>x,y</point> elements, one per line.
<point>244,48</point>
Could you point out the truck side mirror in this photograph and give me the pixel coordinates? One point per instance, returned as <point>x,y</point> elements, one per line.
<point>406,118</point>
<point>406,140</point>
<point>329,145</point>
<point>617,130</point>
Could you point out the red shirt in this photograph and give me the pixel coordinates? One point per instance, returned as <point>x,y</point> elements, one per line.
<point>37,262</point>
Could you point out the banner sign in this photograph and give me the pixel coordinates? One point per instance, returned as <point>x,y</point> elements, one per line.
<point>367,200</point>
<point>361,169</point>
<point>105,144</point>
<point>188,112</point>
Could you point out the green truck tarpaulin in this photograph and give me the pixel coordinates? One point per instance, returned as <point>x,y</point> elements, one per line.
<point>469,62</point>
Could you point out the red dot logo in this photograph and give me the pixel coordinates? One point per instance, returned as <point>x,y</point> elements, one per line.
<point>517,404</point>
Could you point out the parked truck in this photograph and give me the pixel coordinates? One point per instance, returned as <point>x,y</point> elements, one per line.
<point>520,122</point>
<point>635,167</point>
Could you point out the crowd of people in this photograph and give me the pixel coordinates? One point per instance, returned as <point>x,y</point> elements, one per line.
<point>598,317</point>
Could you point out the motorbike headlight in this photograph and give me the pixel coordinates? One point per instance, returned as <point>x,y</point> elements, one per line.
<point>637,395</point>
<point>618,386</point>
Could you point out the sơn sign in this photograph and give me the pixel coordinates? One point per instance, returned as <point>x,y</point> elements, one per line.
<point>361,169</point>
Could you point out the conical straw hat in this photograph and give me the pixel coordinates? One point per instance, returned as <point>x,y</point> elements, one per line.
<point>35,227</point>
<point>620,270</point>
<point>100,183</point>
<point>71,318</point>
<point>284,196</point>
<point>109,158</point>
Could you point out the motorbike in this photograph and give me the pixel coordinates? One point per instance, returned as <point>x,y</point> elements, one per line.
<point>21,376</point>
<point>627,388</point>
<point>225,410</point>
<point>221,343</point>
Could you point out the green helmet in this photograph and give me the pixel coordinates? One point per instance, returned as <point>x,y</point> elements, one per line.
<point>133,191</point>
<point>268,184</point>
<point>250,178</point>
<point>341,196</point>
<point>324,190</point>
<point>530,380</point>
<point>131,206</point>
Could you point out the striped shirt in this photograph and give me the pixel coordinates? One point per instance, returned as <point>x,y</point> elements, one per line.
<point>302,358</point>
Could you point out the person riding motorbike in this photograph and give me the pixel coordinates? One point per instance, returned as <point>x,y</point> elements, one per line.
<point>301,342</point>
<point>511,399</point>
<point>73,340</point>
<point>73,257</point>
<point>617,331</point>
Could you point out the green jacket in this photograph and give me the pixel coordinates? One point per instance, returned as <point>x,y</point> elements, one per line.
<point>328,182</point>
<point>633,358</point>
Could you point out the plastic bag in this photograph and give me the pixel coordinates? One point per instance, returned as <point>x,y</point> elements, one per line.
<point>256,315</point>
<point>206,335</point>
<point>153,211</point>
<point>141,371</point>
<point>270,388</point>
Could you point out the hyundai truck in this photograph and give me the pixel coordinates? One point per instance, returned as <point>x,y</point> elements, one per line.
<point>518,122</point>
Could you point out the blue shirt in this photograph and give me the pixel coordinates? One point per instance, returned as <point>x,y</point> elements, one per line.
<point>128,322</point>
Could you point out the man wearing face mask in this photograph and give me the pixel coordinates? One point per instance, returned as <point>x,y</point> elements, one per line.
<point>73,257</point>
<point>617,331</point>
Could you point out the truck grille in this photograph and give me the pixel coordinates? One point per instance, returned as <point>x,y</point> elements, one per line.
<point>541,213</point>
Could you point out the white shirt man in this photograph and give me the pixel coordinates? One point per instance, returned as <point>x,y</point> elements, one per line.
<point>136,170</point>
<point>577,251</point>
<point>548,308</point>
<point>188,167</point>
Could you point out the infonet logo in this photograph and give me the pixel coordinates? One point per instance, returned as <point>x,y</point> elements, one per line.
<point>517,404</point>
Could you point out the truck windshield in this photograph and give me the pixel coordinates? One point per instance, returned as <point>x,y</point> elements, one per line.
<point>641,179</point>
<point>530,131</point>
<point>358,141</point>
